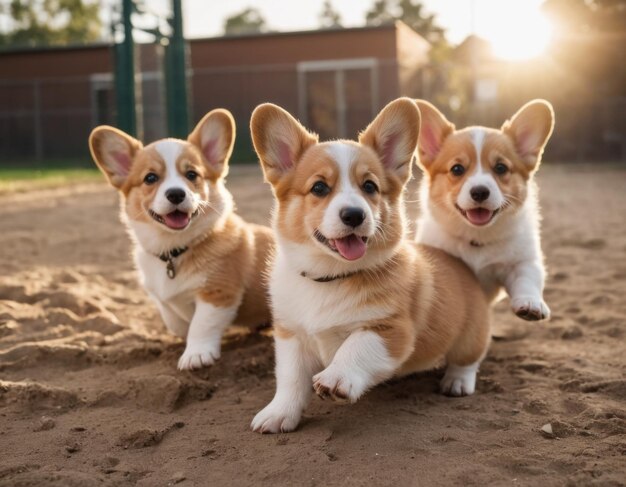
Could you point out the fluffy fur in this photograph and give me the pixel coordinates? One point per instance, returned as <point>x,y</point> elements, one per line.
<point>173,197</point>
<point>354,301</point>
<point>479,202</point>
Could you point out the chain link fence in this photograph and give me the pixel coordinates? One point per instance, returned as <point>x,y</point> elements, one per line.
<point>49,120</point>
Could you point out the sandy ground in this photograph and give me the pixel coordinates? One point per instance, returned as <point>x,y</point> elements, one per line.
<point>90,394</point>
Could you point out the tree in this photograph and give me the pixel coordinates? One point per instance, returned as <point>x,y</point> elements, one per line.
<point>52,22</point>
<point>248,21</point>
<point>381,13</point>
<point>411,12</point>
<point>329,18</point>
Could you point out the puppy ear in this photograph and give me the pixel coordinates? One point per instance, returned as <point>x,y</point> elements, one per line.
<point>113,151</point>
<point>530,128</point>
<point>393,136</point>
<point>278,139</point>
<point>214,135</point>
<point>435,130</point>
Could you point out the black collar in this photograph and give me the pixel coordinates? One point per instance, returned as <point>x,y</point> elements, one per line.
<point>169,257</point>
<point>329,278</point>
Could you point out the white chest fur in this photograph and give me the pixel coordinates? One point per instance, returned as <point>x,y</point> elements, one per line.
<point>322,313</point>
<point>177,294</point>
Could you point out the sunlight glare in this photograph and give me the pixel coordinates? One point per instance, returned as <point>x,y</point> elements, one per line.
<point>517,31</point>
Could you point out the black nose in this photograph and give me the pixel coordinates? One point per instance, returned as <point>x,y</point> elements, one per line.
<point>352,217</point>
<point>479,193</point>
<point>175,195</point>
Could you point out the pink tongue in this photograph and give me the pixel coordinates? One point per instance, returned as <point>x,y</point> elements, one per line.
<point>479,216</point>
<point>176,220</point>
<point>351,247</point>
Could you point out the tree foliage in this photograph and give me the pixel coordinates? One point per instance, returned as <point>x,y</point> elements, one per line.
<point>248,21</point>
<point>411,12</point>
<point>329,18</point>
<point>52,22</point>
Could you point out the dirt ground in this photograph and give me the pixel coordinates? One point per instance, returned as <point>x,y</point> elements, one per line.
<point>90,394</point>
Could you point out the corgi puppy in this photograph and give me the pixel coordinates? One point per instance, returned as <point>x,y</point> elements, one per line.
<point>355,302</point>
<point>201,263</point>
<point>479,201</point>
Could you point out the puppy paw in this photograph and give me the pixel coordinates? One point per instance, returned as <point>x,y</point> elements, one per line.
<point>530,308</point>
<point>459,381</point>
<point>275,418</point>
<point>340,387</point>
<point>198,355</point>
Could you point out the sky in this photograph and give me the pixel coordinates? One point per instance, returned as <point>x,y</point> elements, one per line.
<point>515,28</point>
<point>490,19</point>
<point>205,18</point>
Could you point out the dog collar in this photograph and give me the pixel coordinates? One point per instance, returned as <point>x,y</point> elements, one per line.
<point>329,278</point>
<point>169,257</point>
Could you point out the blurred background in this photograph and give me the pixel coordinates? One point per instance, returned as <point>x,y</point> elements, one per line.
<point>155,67</point>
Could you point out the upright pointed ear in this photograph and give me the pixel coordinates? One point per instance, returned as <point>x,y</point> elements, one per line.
<point>530,128</point>
<point>393,136</point>
<point>435,129</point>
<point>279,140</point>
<point>113,152</point>
<point>214,135</point>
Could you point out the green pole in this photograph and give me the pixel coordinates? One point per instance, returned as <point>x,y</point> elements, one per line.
<point>176,76</point>
<point>125,74</point>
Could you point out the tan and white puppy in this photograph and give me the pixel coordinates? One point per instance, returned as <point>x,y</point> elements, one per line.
<point>355,302</point>
<point>479,202</point>
<point>202,264</point>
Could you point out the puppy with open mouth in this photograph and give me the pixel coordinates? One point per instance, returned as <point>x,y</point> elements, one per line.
<point>355,302</point>
<point>479,202</point>
<point>202,264</point>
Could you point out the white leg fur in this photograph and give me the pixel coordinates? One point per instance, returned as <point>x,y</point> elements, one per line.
<point>525,286</point>
<point>460,380</point>
<point>172,320</point>
<point>204,338</point>
<point>295,365</point>
<point>361,362</point>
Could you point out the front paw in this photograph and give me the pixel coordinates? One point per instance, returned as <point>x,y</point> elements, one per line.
<point>341,387</point>
<point>276,418</point>
<point>198,355</point>
<point>530,308</point>
<point>459,381</point>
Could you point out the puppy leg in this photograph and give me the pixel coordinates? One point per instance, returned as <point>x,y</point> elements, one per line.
<point>525,287</point>
<point>460,380</point>
<point>173,322</point>
<point>465,356</point>
<point>295,365</point>
<point>362,361</point>
<point>204,338</point>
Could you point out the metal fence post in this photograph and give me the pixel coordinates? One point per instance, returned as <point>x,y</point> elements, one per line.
<point>37,129</point>
<point>176,76</point>
<point>125,74</point>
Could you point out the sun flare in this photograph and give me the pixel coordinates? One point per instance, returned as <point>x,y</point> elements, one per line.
<point>517,31</point>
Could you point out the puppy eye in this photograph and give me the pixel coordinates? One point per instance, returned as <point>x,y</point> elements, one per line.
<point>320,189</point>
<point>150,178</point>
<point>191,175</point>
<point>457,170</point>
<point>370,187</point>
<point>500,168</point>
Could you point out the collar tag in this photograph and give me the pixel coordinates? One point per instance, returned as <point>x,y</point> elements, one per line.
<point>171,270</point>
<point>169,257</point>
